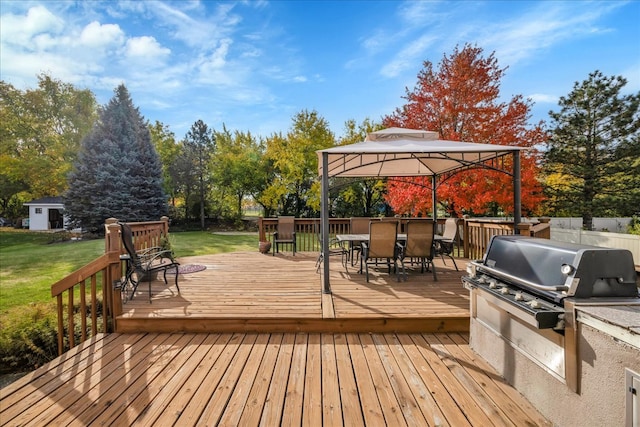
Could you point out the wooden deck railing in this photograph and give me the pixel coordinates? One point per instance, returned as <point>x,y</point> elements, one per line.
<point>96,285</point>
<point>93,282</point>
<point>473,237</point>
<point>145,234</point>
<point>306,231</point>
<point>477,233</point>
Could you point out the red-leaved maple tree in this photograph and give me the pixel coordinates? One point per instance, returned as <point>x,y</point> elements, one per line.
<point>460,101</point>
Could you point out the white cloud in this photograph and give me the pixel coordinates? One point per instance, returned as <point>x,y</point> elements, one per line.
<point>145,47</point>
<point>217,59</point>
<point>200,33</point>
<point>421,13</point>
<point>632,74</point>
<point>377,42</point>
<point>543,98</point>
<point>546,25</point>
<point>96,35</point>
<point>20,30</point>
<point>408,57</point>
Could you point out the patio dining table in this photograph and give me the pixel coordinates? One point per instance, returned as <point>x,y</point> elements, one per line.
<point>353,238</point>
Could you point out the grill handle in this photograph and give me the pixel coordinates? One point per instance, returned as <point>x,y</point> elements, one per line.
<point>559,288</point>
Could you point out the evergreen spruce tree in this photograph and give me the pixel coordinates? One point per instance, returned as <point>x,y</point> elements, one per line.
<point>593,155</point>
<point>118,172</point>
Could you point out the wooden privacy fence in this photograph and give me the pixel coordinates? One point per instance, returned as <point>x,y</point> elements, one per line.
<point>95,286</point>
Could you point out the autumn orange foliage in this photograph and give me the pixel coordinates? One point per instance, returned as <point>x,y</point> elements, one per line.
<point>460,102</point>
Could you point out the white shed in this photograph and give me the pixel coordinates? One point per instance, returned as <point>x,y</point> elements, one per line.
<point>46,213</point>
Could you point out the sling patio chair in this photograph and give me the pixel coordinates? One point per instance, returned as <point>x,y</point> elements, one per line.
<point>358,225</point>
<point>382,244</point>
<point>286,234</point>
<point>336,248</point>
<point>444,245</point>
<point>420,244</point>
<point>145,264</point>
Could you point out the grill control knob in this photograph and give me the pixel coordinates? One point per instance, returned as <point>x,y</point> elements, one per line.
<point>519,296</point>
<point>504,291</point>
<point>493,284</point>
<point>534,303</point>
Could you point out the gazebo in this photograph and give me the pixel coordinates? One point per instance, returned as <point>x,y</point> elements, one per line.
<point>398,152</point>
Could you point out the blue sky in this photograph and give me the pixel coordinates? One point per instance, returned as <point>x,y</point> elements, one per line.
<point>253,65</point>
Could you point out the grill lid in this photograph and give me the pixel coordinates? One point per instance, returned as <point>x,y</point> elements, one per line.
<point>556,270</point>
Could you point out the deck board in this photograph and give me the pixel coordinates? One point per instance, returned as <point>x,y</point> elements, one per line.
<point>268,379</point>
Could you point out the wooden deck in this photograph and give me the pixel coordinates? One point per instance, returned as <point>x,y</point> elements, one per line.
<point>251,292</point>
<point>273,379</point>
<point>252,340</point>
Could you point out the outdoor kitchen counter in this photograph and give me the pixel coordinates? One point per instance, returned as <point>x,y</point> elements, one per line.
<point>621,322</point>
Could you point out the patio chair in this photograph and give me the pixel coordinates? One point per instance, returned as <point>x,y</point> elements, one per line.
<point>420,244</point>
<point>145,264</point>
<point>382,244</point>
<point>336,248</point>
<point>358,225</point>
<point>444,245</point>
<point>286,234</point>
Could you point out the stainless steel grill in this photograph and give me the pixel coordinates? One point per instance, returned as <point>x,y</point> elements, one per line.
<point>539,283</point>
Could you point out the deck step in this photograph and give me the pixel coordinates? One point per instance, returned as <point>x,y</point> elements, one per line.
<point>289,325</point>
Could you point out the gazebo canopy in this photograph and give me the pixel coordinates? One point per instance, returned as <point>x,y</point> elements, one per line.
<point>397,152</point>
<point>407,152</point>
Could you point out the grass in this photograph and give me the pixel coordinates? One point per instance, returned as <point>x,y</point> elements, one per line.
<point>30,263</point>
<point>192,243</point>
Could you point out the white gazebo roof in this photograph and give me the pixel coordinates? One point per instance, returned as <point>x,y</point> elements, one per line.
<point>407,152</point>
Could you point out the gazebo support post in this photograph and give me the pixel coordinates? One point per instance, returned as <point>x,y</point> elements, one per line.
<point>324,208</point>
<point>517,201</point>
<point>434,199</point>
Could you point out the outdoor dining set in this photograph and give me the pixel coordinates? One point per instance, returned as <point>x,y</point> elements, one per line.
<point>375,241</point>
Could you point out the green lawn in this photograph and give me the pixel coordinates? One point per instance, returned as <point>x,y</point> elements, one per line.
<point>30,263</point>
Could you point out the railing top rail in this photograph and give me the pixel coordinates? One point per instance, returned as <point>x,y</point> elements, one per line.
<point>83,273</point>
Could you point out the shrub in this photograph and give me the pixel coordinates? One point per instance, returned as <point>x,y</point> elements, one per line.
<point>28,337</point>
<point>634,225</point>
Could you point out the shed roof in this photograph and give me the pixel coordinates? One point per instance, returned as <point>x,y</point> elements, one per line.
<point>46,201</point>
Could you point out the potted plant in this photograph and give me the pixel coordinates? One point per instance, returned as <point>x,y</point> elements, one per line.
<point>264,246</point>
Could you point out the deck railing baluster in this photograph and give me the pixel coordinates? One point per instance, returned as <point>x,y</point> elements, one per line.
<point>83,310</point>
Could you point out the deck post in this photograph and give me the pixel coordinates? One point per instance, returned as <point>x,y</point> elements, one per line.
<point>262,237</point>
<point>434,196</point>
<point>517,183</point>
<point>165,225</point>
<point>107,241</point>
<point>112,298</point>
<point>326,288</point>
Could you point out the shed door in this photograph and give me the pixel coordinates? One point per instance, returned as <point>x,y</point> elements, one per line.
<point>55,219</point>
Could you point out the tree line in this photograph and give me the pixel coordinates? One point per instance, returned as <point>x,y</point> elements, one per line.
<point>110,161</point>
